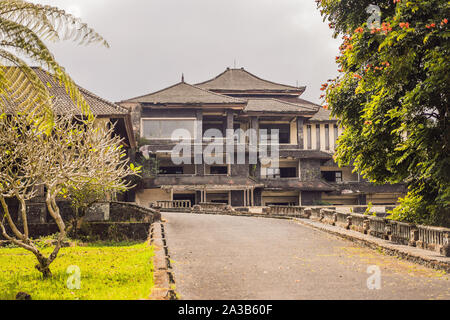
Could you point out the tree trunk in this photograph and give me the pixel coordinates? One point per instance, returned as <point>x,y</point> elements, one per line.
<point>44,267</point>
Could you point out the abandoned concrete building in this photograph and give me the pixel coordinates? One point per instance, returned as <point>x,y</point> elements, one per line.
<point>236,99</point>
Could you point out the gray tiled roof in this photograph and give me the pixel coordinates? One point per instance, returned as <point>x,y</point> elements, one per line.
<point>277,106</point>
<point>242,80</point>
<point>184,93</point>
<point>64,104</point>
<point>323,115</point>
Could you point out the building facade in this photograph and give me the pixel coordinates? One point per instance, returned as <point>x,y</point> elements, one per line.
<point>237,103</point>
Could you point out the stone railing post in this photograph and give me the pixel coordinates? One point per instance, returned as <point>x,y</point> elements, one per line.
<point>366,226</point>
<point>445,249</point>
<point>307,213</point>
<point>413,237</point>
<point>388,230</point>
<point>349,222</point>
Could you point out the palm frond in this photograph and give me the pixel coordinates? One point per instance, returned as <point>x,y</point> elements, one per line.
<point>23,92</point>
<point>23,27</point>
<point>49,22</point>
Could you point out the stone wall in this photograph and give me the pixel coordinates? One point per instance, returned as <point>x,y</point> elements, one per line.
<point>105,220</point>
<point>310,170</point>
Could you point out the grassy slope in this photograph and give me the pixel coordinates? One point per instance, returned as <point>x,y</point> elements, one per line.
<point>120,272</point>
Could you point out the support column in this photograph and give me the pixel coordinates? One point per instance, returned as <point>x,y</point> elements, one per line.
<point>198,147</point>
<point>252,197</point>
<point>300,134</point>
<point>245,198</point>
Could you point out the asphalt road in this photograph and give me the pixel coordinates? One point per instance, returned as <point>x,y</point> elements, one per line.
<point>231,258</point>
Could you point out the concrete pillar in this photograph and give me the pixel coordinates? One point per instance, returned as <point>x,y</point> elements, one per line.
<point>300,134</point>
<point>198,147</point>
<point>254,123</point>
<point>230,120</point>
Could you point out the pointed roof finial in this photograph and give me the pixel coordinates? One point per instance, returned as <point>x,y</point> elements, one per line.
<point>182,77</point>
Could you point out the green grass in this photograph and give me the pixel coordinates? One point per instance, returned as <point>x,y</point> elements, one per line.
<point>121,271</point>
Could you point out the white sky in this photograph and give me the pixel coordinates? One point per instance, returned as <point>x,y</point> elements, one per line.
<point>154,41</point>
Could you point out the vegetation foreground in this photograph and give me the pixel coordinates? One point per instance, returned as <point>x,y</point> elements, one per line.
<point>121,271</point>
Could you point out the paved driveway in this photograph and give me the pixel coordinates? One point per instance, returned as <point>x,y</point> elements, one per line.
<point>227,258</point>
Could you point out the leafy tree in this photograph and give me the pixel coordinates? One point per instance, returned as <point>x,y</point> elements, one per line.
<point>392,96</point>
<point>24,27</point>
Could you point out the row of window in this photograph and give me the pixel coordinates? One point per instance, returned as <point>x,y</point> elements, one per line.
<point>318,145</point>
<point>164,128</point>
<point>329,176</point>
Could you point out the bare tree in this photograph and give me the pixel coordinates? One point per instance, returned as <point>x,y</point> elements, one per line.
<point>77,153</point>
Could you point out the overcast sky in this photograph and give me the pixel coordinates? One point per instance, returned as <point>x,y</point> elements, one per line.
<point>154,41</point>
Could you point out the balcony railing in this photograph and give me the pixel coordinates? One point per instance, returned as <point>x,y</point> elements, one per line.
<point>175,204</point>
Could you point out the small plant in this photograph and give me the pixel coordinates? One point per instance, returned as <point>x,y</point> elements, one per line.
<point>369,210</point>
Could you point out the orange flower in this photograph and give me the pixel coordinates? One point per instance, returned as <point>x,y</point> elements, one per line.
<point>433,25</point>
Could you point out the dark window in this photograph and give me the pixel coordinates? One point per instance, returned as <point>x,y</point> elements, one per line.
<point>208,126</point>
<point>288,172</point>
<point>284,131</point>
<point>219,170</point>
<point>220,201</point>
<point>332,176</point>
<point>190,197</point>
<point>171,170</point>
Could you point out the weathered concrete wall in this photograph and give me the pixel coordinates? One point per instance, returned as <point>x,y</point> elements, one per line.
<point>147,196</point>
<point>310,198</point>
<point>102,221</point>
<point>310,170</point>
<point>240,170</point>
<point>135,112</point>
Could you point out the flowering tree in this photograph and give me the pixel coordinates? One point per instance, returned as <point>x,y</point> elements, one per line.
<point>393,97</point>
<point>76,154</point>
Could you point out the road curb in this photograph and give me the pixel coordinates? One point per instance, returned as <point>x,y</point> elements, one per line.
<point>423,258</point>
<point>163,275</point>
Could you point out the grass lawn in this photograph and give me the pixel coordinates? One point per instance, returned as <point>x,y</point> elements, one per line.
<point>120,271</point>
